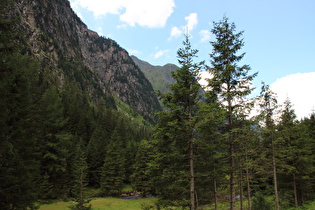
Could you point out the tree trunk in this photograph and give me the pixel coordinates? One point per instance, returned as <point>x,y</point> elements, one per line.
<point>81,185</point>
<point>295,192</point>
<point>275,177</point>
<point>192,176</point>
<point>197,203</point>
<point>232,178</point>
<point>248,187</point>
<point>232,159</point>
<point>215,194</point>
<point>241,189</point>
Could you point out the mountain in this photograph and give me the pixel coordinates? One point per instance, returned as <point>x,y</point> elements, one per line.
<point>159,76</point>
<point>57,37</point>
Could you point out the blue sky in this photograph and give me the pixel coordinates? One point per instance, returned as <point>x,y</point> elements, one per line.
<point>279,35</point>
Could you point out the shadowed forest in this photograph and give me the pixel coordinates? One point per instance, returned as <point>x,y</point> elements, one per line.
<point>59,142</point>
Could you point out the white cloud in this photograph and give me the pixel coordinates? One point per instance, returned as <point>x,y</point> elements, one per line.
<point>204,75</point>
<point>205,35</point>
<point>299,88</point>
<point>176,32</point>
<point>134,52</point>
<point>192,21</point>
<point>160,53</point>
<point>100,31</point>
<point>148,13</point>
<point>122,26</point>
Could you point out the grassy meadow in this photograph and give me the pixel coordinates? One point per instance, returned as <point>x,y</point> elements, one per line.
<point>107,203</point>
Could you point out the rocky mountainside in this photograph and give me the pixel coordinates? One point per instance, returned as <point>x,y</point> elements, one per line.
<point>159,76</point>
<point>57,37</point>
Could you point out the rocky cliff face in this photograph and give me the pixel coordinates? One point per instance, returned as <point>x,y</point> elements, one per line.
<point>57,36</point>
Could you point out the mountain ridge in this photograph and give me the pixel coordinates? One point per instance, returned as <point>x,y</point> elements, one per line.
<point>57,36</point>
<point>159,76</point>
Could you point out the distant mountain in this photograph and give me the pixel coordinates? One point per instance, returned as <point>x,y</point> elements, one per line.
<point>57,37</point>
<point>159,76</point>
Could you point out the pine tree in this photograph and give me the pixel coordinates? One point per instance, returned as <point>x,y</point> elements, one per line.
<point>211,149</point>
<point>80,180</point>
<point>19,159</point>
<point>231,83</point>
<point>306,166</point>
<point>97,146</point>
<point>292,151</point>
<point>142,176</point>
<point>268,106</point>
<point>113,171</point>
<point>54,141</point>
<point>176,132</point>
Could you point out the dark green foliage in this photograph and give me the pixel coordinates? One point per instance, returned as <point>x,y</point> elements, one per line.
<point>17,189</point>
<point>113,171</point>
<point>260,202</point>
<point>62,131</point>
<point>211,151</point>
<point>306,164</point>
<point>142,176</point>
<point>54,143</point>
<point>19,159</point>
<point>175,133</point>
<point>80,180</point>
<point>230,85</point>
<point>97,146</point>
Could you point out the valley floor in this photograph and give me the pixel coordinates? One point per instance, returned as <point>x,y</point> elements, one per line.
<point>110,203</point>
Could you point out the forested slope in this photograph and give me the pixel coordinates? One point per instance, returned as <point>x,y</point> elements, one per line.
<point>67,98</point>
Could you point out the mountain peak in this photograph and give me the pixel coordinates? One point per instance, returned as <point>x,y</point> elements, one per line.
<point>58,37</point>
<point>159,76</point>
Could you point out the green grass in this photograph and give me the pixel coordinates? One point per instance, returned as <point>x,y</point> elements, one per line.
<point>122,204</point>
<point>104,203</point>
<point>308,205</point>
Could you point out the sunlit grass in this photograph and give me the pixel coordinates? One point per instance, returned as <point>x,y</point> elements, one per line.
<point>107,203</point>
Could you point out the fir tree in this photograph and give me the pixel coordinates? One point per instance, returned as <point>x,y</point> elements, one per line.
<point>113,171</point>
<point>54,144</point>
<point>291,149</point>
<point>142,176</point>
<point>268,105</point>
<point>231,84</point>
<point>80,180</point>
<point>19,159</point>
<point>97,146</point>
<point>176,132</point>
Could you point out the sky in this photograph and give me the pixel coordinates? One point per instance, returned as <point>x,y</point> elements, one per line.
<point>279,36</point>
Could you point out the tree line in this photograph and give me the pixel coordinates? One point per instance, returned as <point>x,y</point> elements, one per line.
<point>55,141</point>
<point>209,150</point>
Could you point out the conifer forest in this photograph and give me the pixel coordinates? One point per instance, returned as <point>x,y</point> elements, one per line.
<point>61,135</point>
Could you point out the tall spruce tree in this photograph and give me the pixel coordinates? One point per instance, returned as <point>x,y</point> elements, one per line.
<point>141,178</point>
<point>268,105</point>
<point>113,171</point>
<point>292,151</point>
<point>231,83</point>
<point>54,141</point>
<point>80,180</point>
<point>96,148</point>
<point>19,159</point>
<point>307,166</point>
<point>175,132</point>
<point>211,149</point>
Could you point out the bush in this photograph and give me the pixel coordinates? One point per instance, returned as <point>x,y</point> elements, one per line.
<point>260,202</point>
